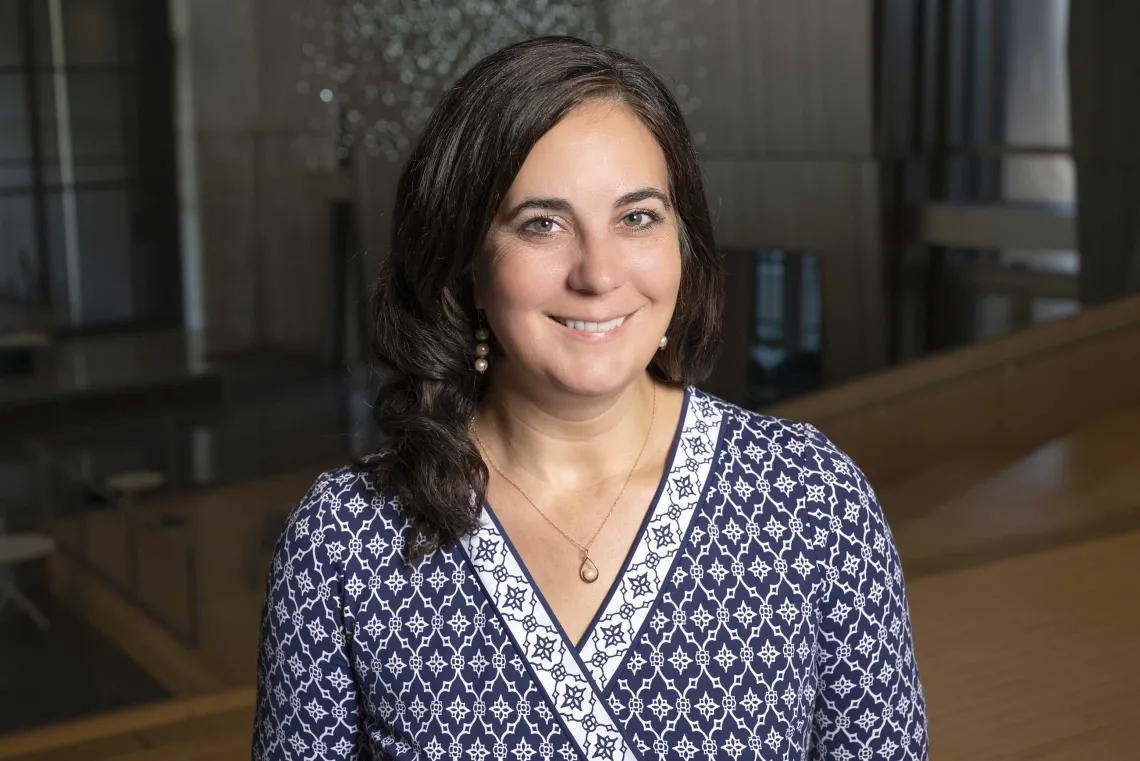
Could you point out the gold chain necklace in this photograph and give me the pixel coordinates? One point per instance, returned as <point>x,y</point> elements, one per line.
<point>587,571</point>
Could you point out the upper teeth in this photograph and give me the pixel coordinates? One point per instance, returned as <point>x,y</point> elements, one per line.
<point>593,327</point>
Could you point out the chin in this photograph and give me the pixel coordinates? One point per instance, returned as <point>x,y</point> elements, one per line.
<point>598,378</point>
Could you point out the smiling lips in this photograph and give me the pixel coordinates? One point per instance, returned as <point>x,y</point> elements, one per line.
<point>586,326</point>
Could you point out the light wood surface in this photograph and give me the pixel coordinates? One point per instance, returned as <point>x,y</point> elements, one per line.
<point>114,734</point>
<point>917,494</point>
<point>231,531</point>
<point>183,672</point>
<point>1035,657</point>
<point>1013,393</point>
<point>1084,483</point>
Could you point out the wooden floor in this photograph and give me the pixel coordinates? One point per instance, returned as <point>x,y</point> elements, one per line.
<point>1034,657</point>
<point>1024,592</point>
<point>217,726</point>
<point>231,531</point>
<point>1023,579</point>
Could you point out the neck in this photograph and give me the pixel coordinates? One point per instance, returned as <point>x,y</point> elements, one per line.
<point>565,441</point>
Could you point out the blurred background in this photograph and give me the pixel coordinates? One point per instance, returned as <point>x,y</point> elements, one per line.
<point>930,215</point>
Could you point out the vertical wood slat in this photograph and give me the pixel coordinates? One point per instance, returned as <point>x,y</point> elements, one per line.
<point>720,121</point>
<point>1104,80</point>
<point>787,116</point>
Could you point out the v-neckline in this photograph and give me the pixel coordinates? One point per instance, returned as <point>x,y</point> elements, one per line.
<point>575,677</point>
<point>637,541</point>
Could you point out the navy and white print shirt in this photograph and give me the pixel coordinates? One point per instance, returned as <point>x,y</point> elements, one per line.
<point>760,614</point>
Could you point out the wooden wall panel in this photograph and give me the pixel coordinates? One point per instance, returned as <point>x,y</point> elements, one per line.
<point>293,243</point>
<point>264,237</point>
<point>786,119</point>
<point>1104,83</point>
<point>227,217</point>
<point>808,75</point>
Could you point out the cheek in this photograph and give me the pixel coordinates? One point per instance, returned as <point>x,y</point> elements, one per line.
<point>659,270</point>
<point>521,278</point>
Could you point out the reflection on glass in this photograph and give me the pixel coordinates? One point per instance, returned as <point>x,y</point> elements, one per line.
<point>787,337</point>
<point>1060,262</point>
<point>993,315</point>
<point>1047,310</point>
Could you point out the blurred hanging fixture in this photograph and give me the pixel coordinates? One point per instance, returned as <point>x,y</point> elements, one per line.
<point>379,66</point>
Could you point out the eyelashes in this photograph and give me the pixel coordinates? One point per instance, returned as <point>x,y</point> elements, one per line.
<point>543,225</point>
<point>651,216</point>
<point>530,226</point>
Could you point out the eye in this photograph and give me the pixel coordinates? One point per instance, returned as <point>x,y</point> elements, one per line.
<point>639,219</point>
<point>540,226</point>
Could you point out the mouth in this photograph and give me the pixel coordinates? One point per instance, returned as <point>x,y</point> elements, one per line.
<point>589,326</point>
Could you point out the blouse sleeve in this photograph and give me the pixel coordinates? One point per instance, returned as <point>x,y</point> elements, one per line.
<point>869,700</point>
<point>307,699</point>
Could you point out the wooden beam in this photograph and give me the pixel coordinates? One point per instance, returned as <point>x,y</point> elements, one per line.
<point>971,226</point>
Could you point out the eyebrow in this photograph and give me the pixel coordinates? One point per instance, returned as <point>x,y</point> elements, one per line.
<point>563,205</point>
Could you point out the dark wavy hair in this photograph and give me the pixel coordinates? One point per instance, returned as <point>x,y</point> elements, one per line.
<point>449,192</point>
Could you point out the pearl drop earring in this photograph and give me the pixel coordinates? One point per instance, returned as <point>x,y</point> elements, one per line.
<point>482,350</point>
<point>662,343</point>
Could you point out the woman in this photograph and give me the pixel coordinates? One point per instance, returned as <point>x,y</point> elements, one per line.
<point>662,575</point>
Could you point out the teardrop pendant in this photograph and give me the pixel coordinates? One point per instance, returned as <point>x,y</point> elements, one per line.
<point>588,571</point>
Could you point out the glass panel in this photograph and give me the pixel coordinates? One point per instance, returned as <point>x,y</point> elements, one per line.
<point>9,33</point>
<point>1046,310</point>
<point>993,315</point>
<point>96,113</point>
<point>1039,179</point>
<point>770,295</point>
<point>1008,73</point>
<point>13,118</point>
<point>41,27</point>
<point>105,253</point>
<point>15,174</point>
<point>1025,178</point>
<point>1061,262</point>
<point>90,31</point>
<point>812,326</point>
<point>785,352</point>
<point>45,104</point>
<point>57,256</point>
<point>89,170</point>
<point>1036,73</point>
<point>17,249</point>
<point>102,170</point>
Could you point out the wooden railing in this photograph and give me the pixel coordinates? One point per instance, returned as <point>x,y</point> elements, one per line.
<point>1013,393</point>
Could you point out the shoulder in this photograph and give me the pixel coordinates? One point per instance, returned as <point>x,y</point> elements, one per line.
<point>742,427</point>
<point>345,518</point>
<point>795,452</point>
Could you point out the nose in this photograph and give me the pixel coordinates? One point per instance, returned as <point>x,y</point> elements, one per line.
<point>598,267</point>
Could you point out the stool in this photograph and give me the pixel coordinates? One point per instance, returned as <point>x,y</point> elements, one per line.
<point>131,483</point>
<point>16,549</point>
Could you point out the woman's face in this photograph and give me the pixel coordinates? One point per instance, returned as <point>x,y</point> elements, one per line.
<point>582,262</point>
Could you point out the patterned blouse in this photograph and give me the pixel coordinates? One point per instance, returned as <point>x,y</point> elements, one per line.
<point>760,614</point>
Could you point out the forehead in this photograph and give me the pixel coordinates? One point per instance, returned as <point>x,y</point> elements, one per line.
<point>600,147</point>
